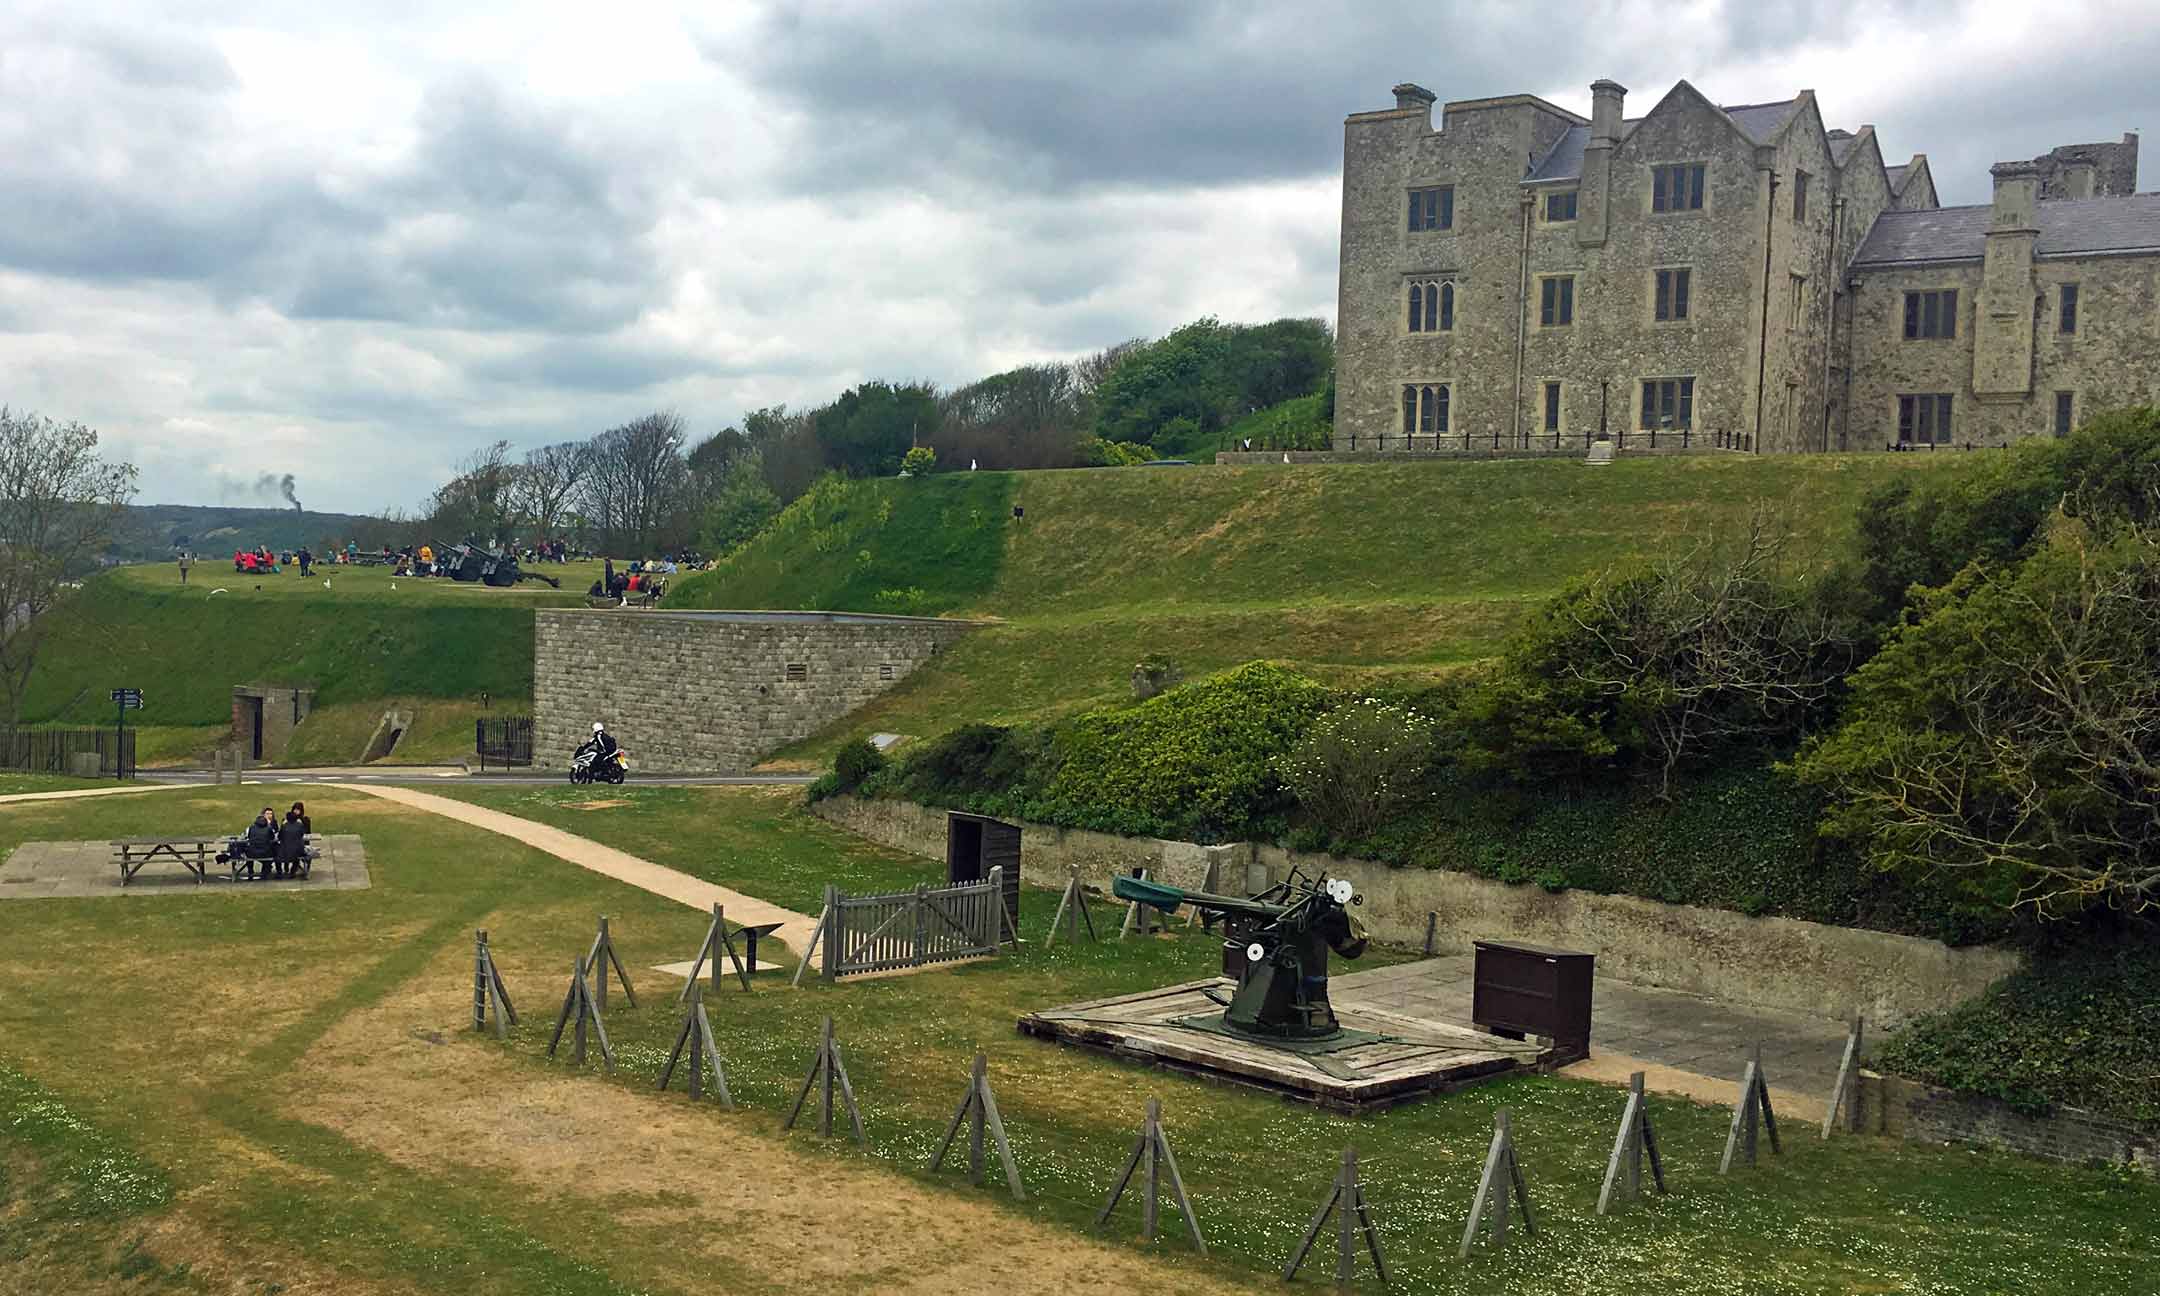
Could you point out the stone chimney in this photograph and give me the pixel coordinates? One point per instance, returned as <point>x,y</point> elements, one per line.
<point>2017,192</point>
<point>1606,97</point>
<point>2077,179</point>
<point>1595,192</point>
<point>1410,95</point>
<point>2002,322</point>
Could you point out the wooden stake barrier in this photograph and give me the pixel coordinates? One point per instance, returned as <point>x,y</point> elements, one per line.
<point>1352,1217</point>
<point>1152,1149</point>
<point>489,993</point>
<point>1072,911</point>
<point>696,1038</point>
<point>716,941</point>
<point>599,960</point>
<point>578,1006</point>
<point>982,1104</point>
<point>817,934</point>
<point>1494,1192</point>
<point>1841,1096</point>
<point>1623,1173</point>
<point>1211,883</point>
<point>828,1067</point>
<point>1136,916</point>
<point>1754,1105</point>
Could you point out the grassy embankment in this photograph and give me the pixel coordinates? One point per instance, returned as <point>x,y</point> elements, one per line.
<point>1349,572</point>
<point>367,641</point>
<point>283,1089</point>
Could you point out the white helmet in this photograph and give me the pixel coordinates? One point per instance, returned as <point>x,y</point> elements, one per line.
<point>597,726</point>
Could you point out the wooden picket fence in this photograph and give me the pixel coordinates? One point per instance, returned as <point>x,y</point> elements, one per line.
<point>905,929</point>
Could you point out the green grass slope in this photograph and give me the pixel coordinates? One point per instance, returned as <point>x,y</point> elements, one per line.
<point>1350,571</point>
<point>915,546</point>
<point>364,641</point>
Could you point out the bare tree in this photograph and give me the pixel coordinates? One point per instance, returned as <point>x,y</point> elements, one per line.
<point>1718,643</point>
<point>59,504</point>
<point>547,482</point>
<point>476,503</point>
<point>635,471</point>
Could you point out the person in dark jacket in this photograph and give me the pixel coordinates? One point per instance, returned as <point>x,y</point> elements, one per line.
<point>292,843</point>
<point>261,844</point>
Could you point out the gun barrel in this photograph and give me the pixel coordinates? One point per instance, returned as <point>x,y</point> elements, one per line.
<point>1168,898</point>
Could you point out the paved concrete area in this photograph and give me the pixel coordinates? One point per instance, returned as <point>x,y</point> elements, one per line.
<point>50,870</point>
<point>1662,1028</point>
<point>426,774</point>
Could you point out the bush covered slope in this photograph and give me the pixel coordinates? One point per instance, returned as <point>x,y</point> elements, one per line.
<point>1347,571</point>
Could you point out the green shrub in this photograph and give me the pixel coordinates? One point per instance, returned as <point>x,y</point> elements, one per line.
<point>855,762</point>
<point>966,768</point>
<point>1359,764</point>
<point>2006,737</point>
<point>2079,1027</point>
<point>919,462</point>
<point>1196,761</point>
<point>1300,423</point>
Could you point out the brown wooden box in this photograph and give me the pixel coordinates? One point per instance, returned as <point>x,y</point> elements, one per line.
<point>1519,990</point>
<point>975,844</point>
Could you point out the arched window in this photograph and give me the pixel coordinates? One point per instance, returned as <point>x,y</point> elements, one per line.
<point>1432,306</point>
<point>1409,409</point>
<point>1426,408</point>
<point>1440,399</point>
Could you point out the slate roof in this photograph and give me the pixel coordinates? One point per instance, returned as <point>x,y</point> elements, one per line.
<point>2068,227</point>
<point>1761,121</point>
<point>1896,175</point>
<point>1841,143</point>
<point>1564,160</point>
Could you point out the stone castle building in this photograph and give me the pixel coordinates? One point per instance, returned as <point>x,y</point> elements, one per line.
<point>1517,277</point>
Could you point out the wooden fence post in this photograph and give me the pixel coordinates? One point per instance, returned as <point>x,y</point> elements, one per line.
<point>981,1105</point>
<point>1501,1182</point>
<point>1153,1146</point>
<point>696,1037</point>
<point>834,929</point>
<point>1754,1105</point>
<point>1623,1173</point>
<point>827,1066</point>
<point>600,959</point>
<point>1347,1200</point>
<point>1840,1095</point>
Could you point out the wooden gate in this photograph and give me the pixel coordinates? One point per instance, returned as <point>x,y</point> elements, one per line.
<point>904,929</point>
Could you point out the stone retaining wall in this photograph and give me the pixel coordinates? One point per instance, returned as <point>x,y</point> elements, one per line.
<point>1780,963</point>
<point>1911,1109</point>
<point>1476,454</point>
<point>714,691</point>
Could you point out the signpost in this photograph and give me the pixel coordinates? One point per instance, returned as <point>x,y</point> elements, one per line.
<point>125,700</point>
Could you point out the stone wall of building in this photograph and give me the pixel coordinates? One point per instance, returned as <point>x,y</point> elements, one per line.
<point>2112,360</point>
<point>1779,963</point>
<point>1910,1109</point>
<point>282,711</point>
<point>1502,247</point>
<point>714,691</point>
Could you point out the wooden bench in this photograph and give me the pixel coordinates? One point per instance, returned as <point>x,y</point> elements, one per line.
<point>196,853</point>
<point>192,853</point>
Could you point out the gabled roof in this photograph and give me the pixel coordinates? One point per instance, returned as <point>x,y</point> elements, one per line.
<point>1896,175</point>
<point>1841,145</point>
<point>2069,227</point>
<point>1760,122</point>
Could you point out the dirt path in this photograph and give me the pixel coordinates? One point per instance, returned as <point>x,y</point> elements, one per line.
<point>795,928</point>
<point>754,1210</point>
<point>72,793</point>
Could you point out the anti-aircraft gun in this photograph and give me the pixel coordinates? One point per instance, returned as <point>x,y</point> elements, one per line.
<point>1286,930</point>
<point>495,567</point>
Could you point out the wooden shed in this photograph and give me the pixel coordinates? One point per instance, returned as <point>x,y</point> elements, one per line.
<point>975,844</point>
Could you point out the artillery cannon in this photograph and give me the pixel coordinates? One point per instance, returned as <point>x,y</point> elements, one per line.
<point>1286,932</point>
<point>493,567</point>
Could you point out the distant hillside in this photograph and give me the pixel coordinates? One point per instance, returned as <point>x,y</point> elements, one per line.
<point>1349,571</point>
<point>154,532</point>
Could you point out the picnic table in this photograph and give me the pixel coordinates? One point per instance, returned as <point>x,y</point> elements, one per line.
<point>194,853</point>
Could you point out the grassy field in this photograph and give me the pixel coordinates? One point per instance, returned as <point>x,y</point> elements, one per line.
<point>280,1098</point>
<point>367,641</point>
<point>1351,572</point>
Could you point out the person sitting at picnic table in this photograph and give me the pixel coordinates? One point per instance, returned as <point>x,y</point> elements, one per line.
<point>259,845</point>
<point>292,847</point>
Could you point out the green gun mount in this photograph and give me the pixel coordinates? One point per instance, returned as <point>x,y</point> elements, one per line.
<point>1286,932</point>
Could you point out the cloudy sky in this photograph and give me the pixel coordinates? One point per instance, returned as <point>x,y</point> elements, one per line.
<point>354,239</point>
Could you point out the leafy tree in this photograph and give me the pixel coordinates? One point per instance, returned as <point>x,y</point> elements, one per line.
<point>739,509</point>
<point>867,431</point>
<point>59,504</point>
<point>2011,734</point>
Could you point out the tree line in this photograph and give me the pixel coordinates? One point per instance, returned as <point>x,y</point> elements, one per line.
<point>648,487</point>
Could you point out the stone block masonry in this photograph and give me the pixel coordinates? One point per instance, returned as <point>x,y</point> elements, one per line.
<point>714,692</point>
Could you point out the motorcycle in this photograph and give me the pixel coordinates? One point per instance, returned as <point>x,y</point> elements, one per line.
<point>588,767</point>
